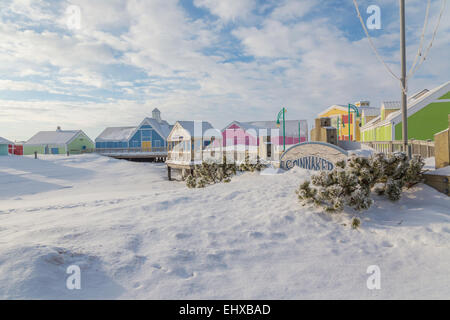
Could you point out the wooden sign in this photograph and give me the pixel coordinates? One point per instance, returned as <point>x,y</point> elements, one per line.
<point>314,156</point>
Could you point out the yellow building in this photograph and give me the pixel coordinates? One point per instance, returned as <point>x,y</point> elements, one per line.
<point>349,129</point>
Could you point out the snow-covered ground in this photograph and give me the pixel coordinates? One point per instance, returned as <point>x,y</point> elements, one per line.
<point>136,235</point>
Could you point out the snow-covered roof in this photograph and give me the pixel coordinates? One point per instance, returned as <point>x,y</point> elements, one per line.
<point>423,99</point>
<point>389,105</point>
<point>189,126</point>
<point>163,127</point>
<point>291,126</point>
<point>419,94</point>
<point>5,141</point>
<point>370,112</point>
<point>58,137</point>
<point>334,106</point>
<point>416,103</point>
<point>116,134</point>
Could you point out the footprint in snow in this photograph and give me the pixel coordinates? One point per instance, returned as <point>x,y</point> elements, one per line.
<point>181,236</point>
<point>256,235</point>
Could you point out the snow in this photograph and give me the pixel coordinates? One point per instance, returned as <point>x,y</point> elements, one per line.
<point>136,235</point>
<point>58,137</point>
<point>441,172</point>
<point>116,134</point>
<point>5,141</point>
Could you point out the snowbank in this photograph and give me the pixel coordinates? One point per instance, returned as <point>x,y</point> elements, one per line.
<point>136,235</point>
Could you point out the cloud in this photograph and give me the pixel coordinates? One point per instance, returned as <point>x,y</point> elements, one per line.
<point>253,59</point>
<point>229,10</point>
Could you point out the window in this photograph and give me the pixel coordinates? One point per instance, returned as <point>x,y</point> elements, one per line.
<point>247,140</point>
<point>146,135</point>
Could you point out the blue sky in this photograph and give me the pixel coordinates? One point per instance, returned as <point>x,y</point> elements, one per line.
<point>200,59</point>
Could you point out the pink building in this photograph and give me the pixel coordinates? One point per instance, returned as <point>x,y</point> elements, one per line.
<point>250,133</point>
<point>264,138</point>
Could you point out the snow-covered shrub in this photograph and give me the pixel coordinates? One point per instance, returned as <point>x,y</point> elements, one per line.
<point>252,167</point>
<point>351,182</point>
<point>210,172</point>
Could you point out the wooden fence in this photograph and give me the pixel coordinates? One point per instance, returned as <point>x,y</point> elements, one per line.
<point>424,148</point>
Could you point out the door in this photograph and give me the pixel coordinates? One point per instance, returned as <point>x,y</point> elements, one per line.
<point>146,146</point>
<point>55,151</point>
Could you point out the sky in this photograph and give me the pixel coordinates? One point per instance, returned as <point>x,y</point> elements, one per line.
<point>213,60</point>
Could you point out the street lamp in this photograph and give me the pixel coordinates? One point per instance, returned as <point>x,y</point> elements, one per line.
<point>354,109</point>
<point>281,114</point>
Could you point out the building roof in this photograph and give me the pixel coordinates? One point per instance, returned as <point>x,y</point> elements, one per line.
<point>5,141</point>
<point>116,134</point>
<point>57,137</point>
<point>391,105</point>
<point>370,112</point>
<point>163,127</point>
<point>190,125</point>
<point>415,103</point>
<point>334,106</point>
<point>291,126</point>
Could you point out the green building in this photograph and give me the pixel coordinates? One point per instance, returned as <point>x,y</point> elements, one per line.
<point>427,115</point>
<point>58,142</point>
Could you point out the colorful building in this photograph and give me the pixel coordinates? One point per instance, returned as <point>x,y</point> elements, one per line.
<point>189,143</point>
<point>263,138</point>
<point>149,136</point>
<point>348,127</point>
<point>427,115</point>
<point>5,145</point>
<point>58,142</point>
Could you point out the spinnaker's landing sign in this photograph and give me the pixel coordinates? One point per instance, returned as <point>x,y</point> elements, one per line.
<point>312,156</point>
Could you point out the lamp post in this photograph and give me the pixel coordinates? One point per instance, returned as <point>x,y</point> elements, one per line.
<point>281,114</point>
<point>354,109</point>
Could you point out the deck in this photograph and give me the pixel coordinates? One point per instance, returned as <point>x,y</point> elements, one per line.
<point>135,154</point>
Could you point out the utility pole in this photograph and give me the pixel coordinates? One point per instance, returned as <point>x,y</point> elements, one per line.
<point>403,80</point>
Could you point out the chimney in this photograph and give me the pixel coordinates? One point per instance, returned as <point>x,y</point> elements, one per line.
<point>58,128</point>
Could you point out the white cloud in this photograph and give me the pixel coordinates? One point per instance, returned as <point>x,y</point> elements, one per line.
<point>228,10</point>
<point>187,67</point>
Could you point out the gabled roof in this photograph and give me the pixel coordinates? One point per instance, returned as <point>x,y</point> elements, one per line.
<point>391,105</point>
<point>189,127</point>
<point>5,141</point>
<point>334,106</point>
<point>291,126</point>
<point>57,137</point>
<point>421,100</point>
<point>122,134</point>
<point>371,112</point>
<point>163,128</point>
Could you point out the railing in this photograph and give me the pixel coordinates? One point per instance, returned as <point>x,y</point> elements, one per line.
<point>424,148</point>
<point>130,150</point>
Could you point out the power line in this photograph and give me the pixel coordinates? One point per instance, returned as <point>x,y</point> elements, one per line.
<point>371,42</point>
<point>422,36</point>
<point>443,5</point>
<point>420,57</point>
